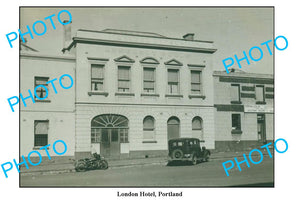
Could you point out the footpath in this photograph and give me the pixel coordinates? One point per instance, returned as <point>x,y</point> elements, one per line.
<point>68,165</point>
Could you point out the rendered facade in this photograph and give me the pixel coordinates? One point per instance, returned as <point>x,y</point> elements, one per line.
<point>133,91</point>
<point>137,90</point>
<point>46,121</point>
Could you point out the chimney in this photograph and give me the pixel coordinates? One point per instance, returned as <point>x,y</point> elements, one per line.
<point>189,36</point>
<point>67,34</point>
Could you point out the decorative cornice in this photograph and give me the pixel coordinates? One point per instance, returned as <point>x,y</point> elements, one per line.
<point>97,59</point>
<point>48,57</point>
<point>139,45</point>
<point>196,65</point>
<point>154,35</point>
<point>251,80</point>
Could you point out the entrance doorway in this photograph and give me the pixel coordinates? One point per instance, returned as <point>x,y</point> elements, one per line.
<point>173,128</point>
<point>261,127</point>
<point>110,130</point>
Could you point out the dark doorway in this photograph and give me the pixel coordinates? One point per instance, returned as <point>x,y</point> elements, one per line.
<point>111,131</point>
<point>261,128</point>
<point>173,128</point>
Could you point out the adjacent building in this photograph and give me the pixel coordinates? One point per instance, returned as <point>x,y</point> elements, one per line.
<point>244,115</point>
<point>51,119</point>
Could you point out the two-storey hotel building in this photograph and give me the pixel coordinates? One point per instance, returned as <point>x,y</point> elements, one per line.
<point>132,92</point>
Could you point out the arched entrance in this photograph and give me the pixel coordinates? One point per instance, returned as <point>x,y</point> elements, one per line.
<point>109,130</point>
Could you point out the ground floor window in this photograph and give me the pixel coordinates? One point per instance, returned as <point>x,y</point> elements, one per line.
<point>96,135</point>
<point>41,133</point>
<point>197,129</point>
<point>148,128</point>
<point>123,135</point>
<point>236,123</point>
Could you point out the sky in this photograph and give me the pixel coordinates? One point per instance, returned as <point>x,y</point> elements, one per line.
<point>233,30</point>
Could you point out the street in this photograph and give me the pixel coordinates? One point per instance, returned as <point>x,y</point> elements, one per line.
<point>203,174</point>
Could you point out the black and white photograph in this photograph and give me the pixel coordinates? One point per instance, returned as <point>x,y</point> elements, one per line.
<point>146,97</point>
<point>121,101</point>
<point>150,106</point>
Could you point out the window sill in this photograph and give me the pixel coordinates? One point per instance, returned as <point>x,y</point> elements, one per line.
<point>260,102</point>
<point>124,94</point>
<point>149,141</point>
<point>38,147</point>
<point>98,93</point>
<point>197,96</point>
<point>42,101</point>
<point>174,95</point>
<point>236,102</point>
<point>236,131</point>
<point>150,94</point>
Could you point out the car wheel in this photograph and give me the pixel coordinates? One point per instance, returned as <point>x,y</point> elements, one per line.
<point>207,154</point>
<point>194,159</point>
<point>177,154</point>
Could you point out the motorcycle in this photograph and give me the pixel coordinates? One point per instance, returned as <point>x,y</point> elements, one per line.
<point>96,162</point>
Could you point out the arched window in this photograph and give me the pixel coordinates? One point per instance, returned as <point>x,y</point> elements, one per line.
<point>110,120</point>
<point>149,128</point>
<point>173,128</point>
<point>197,128</point>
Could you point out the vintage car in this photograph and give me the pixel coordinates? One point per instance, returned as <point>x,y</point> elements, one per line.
<point>187,149</point>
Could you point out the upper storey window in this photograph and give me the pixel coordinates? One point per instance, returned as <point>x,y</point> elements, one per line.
<point>149,80</point>
<point>97,77</point>
<point>260,94</point>
<point>124,85</point>
<point>149,65</point>
<point>41,91</point>
<point>235,94</point>
<point>173,67</point>
<point>196,84</point>
<point>196,90</point>
<point>173,81</point>
<point>123,78</point>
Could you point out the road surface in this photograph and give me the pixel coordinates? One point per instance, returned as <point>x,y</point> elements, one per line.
<point>203,174</point>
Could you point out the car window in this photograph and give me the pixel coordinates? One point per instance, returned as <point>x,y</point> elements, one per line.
<point>179,143</point>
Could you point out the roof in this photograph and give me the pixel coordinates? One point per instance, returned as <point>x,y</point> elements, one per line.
<point>241,73</point>
<point>181,139</point>
<point>41,56</point>
<point>25,47</point>
<point>139,33</point>
<point>131,32</point>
